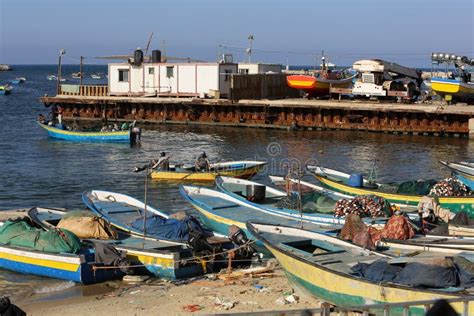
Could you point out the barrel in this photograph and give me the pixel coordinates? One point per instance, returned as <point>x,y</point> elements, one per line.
<point>138,57</point>
<point>255,192</point>
<point>156,56</point>
<point>355,180</point>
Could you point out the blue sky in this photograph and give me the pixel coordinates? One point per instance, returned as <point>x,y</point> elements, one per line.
<point>405,31</point>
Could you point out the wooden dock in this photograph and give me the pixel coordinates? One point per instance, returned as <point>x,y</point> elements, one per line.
<point>92,103</point>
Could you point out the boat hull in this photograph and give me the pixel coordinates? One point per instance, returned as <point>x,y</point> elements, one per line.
<point>65,267</point>
<point>241,172</point>
<point>453,87</point>
<point>455,204</point>
<point>348,291</point>
<point>312,85</point>
<point>92,137</point>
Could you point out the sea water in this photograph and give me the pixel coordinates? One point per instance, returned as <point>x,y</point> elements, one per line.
<point>38,171</point>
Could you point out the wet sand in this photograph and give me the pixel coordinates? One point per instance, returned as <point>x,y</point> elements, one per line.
<point>207,295</point>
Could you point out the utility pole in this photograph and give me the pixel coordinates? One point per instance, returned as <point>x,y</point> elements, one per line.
<point>80,71</point>
<point>58,79</point>
<point>249,49</point>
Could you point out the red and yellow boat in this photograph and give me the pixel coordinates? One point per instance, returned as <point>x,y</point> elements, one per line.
<point>320,83</point>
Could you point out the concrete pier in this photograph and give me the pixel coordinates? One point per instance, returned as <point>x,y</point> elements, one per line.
<point>456,120</point>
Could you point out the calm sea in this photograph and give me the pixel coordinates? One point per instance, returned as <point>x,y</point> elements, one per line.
<point>38,171</point>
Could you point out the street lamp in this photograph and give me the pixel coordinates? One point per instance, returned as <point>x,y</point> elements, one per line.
<point>58,79</point>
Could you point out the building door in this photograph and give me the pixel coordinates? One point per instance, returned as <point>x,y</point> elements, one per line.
<point>150,83</point>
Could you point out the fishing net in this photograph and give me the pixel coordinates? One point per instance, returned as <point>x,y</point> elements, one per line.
<point>363,206</point>
<point>20,233</point>
<point>450,187</point>
<point>312,202</point>
<point>86,225</point>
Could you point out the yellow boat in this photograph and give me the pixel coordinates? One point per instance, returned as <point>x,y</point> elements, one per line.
<point>452,88</point>
<point>323,268</point>
<point>238,169</point>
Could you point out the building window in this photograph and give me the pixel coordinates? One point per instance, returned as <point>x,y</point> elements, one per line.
<point>243,71</point>
<point>169,71</point>
<point>123,75</point>
<point>227,75</point>
<point>151,71</point>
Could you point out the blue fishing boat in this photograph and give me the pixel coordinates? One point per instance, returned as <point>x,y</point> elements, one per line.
<point>463,171</point>
<point>318,211</point>
<point>125,136</point>
<point>63,257</point>
<point>147,256</point>
<point>218,211</point>
<point>136,218</point>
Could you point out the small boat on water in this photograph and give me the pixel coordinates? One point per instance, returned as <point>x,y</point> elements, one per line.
<point>18,80</point>
<point>148,256</point>
<point>5,89</point>
<point>54,77</point>
<point>125,136</point>
<point>338,181</point>
<point>57,254</point>
<point>76,75</point>
<point>334,270</point>
<point>239,169</point>
<point>463,171</point>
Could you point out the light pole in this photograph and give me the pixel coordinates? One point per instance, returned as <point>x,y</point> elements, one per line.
<point>58,79</point>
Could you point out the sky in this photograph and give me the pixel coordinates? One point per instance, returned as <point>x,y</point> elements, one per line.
<point>403,31</point>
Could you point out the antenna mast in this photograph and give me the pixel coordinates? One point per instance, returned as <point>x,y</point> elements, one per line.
<point>249,49</point>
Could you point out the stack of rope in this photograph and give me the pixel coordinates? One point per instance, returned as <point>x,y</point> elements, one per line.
<point>450,187</point>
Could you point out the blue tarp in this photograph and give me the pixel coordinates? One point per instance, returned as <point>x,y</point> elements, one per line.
<point>170,229</point>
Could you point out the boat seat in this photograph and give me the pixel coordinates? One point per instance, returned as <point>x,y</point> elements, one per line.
<point>115,208</point>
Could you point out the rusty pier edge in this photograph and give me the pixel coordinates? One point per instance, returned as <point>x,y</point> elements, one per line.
<point>396,118</point>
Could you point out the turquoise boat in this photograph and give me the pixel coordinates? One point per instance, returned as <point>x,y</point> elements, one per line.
<point>322,215</point>
<point>463,171</point>
<point>91,137</point>
<point>18,80</point>
<point>218,211</point>
<point>148,256</point>
<point>322,266</point>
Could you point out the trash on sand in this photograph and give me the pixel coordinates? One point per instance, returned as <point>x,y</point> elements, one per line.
<point>225,304</point>
<point>281,301</point>
<point>292,299</point>
<point>135,292</point>
<point>135,278</point>
<point>193,308</point>
<point>258,286</point>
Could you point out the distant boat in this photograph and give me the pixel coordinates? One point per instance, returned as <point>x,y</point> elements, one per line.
<point>53,77</point>
<point>18,80</point>
<point>76,75</point>
<point>96,76</point>
<point>5,89</point>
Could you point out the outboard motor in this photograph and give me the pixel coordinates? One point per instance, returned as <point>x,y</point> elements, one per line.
<point>237,235</point>
<point>135,135</point>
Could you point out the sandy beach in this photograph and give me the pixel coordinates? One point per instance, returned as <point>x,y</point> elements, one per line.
<point>208,295</point>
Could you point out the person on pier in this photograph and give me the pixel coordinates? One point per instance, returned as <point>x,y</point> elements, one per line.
<point>202,163</point>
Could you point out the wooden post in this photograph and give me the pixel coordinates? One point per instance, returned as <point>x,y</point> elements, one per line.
<point>80,71</point>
